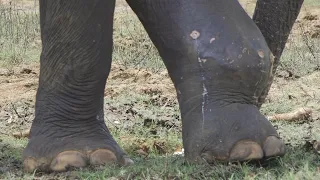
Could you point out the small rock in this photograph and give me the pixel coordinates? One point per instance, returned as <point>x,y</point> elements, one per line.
<point>179,152</point>
<point>116,122</point>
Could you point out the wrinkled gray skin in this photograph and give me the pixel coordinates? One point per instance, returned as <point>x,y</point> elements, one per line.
<point>219,60</point>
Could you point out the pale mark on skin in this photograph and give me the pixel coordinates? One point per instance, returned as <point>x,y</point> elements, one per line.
<point>204,95</point>
<point>202,60</point>
<point>261,53</point>
<point>195,35</point>
<point>244,50</point>
<point>212,39</point>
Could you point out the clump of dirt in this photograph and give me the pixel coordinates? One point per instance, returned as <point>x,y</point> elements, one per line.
<point>316,33</point>
<point>310,17</point>
<point>309,24</point>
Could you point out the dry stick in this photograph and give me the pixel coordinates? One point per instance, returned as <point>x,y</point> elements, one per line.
<point>302,113</point>
<point>15,110</point>
<point>22,134</point>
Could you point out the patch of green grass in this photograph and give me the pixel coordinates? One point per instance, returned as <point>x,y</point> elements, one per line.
<point>141,124</point>
<point>301,57</point>
<point>10,156</point>
<point>312,3</point>
<point>298,163</point>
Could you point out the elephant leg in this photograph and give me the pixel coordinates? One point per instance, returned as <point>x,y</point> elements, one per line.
<point>219,63</point>
<point>69,128</point>
<point>275,20</point>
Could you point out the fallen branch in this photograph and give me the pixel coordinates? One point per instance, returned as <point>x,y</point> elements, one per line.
<point>300,114</point>
<point>22,134</point>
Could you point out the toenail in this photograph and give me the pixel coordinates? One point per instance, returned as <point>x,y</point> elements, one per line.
<point>29,164</point>
<point>246,150</point>
<point>127,162</point>
<point>68,159</point>
<point>102,156</point>
<point>273,146</point>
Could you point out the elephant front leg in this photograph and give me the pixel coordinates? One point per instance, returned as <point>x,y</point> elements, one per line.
<point>69,128</point>
<point>220,64</point>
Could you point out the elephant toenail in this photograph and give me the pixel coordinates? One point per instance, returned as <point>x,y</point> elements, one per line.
<point>68,159</point>
<point>207,157</point>
<point>246,150</point>
<point>102,156</point>
<point>127,162</point>
<point>29,165</point>
<point>273,146</point>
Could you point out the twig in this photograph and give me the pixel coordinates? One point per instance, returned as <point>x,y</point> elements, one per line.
<point>21,134</point>
<point>302,113</point>
<point>15,110</point>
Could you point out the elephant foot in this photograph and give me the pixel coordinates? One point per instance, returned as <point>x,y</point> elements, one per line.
<point>68,159</point>
<point>58,151</point>
<point>236,132</point>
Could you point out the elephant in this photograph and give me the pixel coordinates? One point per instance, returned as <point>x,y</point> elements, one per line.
<point>220,61</point>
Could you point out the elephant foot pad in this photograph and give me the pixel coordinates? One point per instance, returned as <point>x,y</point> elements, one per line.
<point>67,159</point>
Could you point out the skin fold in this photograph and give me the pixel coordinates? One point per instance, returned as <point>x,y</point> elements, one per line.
<point>219,59</point>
